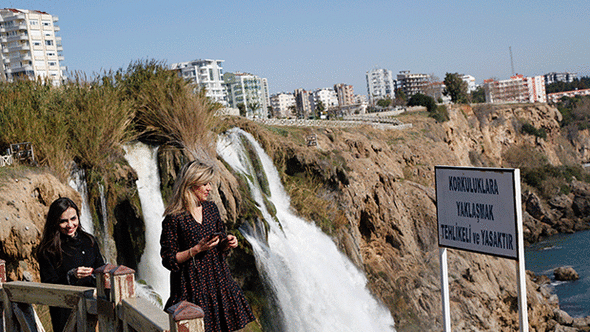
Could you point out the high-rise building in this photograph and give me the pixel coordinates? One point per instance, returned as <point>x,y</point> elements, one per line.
<point>517,89</point>
<point>345,94</point>
<point>380,84</point>
<point>303,103</point>
<point>30,47</point>
<point>282,104</point>
<point>412,83</point>
<point>248,90</point>
<point>207,73</point>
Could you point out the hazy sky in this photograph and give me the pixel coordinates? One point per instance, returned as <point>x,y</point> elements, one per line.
<point>315,44</point>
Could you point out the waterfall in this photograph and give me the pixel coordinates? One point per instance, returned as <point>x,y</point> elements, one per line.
<point>78,182</point>
<point>144,160</point>
<point>317,288</point>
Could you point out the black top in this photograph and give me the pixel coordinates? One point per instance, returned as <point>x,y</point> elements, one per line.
<point>204,280</point>
<point>77,251</point>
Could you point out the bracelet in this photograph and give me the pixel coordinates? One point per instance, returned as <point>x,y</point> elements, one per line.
<point>190,253</point>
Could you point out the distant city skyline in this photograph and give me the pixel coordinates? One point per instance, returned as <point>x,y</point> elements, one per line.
<point>310,45</point>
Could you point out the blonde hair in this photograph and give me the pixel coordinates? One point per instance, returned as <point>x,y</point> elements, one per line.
<point>192,174</point>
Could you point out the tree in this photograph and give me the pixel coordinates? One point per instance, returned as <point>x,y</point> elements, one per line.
<point>419,99</point>
<point>400,95</point>
<point>319,109</point>
<point>384,102</point>
<point>456,88</point>
<point>242,109</point>
<point>478,95</point>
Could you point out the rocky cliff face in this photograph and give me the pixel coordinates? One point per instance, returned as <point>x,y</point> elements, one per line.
<point>385,188</point>
<point>382,182</point>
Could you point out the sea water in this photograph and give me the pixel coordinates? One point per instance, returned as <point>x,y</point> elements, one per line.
<point>565,250</point>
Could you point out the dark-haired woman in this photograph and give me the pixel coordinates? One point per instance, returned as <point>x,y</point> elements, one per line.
<point>67,254</point>
<point>193,245</point>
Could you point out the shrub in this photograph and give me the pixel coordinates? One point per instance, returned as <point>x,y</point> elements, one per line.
<point>528,128</point>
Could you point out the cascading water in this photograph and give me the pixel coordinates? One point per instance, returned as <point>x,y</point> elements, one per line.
<point>78,182</point>
<point>143,159</point>
<point>317,288</point>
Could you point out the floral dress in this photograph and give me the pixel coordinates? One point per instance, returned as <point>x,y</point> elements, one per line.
<point>204,280</point>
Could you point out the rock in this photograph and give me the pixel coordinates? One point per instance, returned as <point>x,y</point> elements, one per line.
<point>563,317</point>
<point>581,322</point>
<point>565,274</point>
<point>561,328</point>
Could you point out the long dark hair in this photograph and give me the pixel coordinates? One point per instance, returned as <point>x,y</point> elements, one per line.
<point>50,245</point>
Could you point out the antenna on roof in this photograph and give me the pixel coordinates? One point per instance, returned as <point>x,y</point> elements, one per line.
<point>511,61</point>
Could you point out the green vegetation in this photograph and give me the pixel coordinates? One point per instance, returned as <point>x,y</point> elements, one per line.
<point>478,95</point>
<point>575,112</point>
<point>578,84</point>
<point>456,88</point>
<point>536,171</point>
<point>528,128</point>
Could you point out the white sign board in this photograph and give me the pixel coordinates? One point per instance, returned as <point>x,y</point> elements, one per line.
<point>476,210</point>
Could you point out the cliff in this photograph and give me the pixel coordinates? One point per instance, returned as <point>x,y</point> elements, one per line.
<point>377,191</point>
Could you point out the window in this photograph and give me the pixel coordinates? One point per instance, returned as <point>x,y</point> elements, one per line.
<point>49,42</point>
<point>46,23</point>
<point>33,22</point>
<point>52,63</point>
<point>50,53</point>
<point>36,43</point>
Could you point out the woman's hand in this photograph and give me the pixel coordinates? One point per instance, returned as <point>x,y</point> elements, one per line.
<point>232,241</point>
<point>206,243</point>
<point>82,272</point>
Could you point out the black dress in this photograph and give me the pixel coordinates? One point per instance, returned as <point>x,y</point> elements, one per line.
<point>80,250</point>
<point>204,280</point>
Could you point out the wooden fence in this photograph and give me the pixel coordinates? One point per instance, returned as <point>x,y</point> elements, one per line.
<point>112,306</point>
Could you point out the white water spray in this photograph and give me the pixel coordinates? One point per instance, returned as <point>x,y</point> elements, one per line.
<point>316,286</point>
<point>143,159</point>
<point>78,182</point>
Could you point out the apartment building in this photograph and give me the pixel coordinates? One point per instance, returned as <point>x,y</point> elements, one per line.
<point>206,73</point>
<point>30,46</point>
<point>303,104</point>
<point>412,83</point>
<point>553,77</point>
<point>517,89</point>
<point>327,96</point>
<point>248,90</point>
<point>470,80</point>
<point>282,104</point>
<point>345,94</point>
<point>380,84</point>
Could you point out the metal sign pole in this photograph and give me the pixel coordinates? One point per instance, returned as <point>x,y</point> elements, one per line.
<point>520,268</point>
<point>444,289</point>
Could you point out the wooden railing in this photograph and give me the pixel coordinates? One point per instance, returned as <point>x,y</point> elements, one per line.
<point>112,306</point>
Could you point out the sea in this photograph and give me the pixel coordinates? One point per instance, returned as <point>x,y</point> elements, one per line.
<point>565,250</point>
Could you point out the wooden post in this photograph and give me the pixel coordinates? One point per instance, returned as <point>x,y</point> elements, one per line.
<point>7,318</point>
<point>186,317</point>
<point>104,307</point>
<point>122,287</point>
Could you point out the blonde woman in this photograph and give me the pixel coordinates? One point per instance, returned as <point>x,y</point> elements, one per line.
<point>193,244</point>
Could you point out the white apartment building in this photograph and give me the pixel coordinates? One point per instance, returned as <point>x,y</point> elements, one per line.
<point>248,90</point>
<point>380,84</point>
<point>327,96</point>
<point>30,47</point>
<point>281,104</point>
<point>207,73</point>
<point>470,80</point>
<point>412,83</point>
<point>566,77</point>
<point>517,89</point>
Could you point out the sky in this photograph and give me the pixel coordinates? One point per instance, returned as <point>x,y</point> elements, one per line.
<point>316,44</point>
